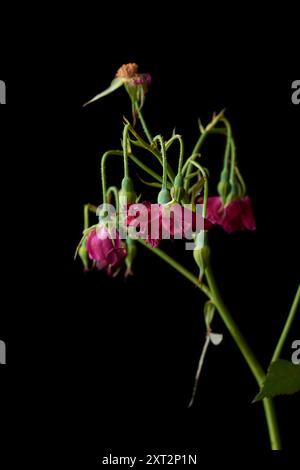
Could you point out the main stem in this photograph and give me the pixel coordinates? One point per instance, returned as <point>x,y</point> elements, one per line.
<point>249,357</point>
<point>233,329</point>
<point>255,367</point>
<point>213,293</point>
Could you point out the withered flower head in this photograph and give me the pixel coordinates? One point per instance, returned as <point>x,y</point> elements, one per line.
<point>127,71</point>
<point>136,84</point>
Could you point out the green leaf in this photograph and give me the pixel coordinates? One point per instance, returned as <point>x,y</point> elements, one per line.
<point>153,184</point>
<point>283,378</point>
<point>115,84</point>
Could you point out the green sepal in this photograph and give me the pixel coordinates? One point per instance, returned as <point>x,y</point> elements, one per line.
<point>234,193</point>
<point>201,252</point>
<point>115,84</point>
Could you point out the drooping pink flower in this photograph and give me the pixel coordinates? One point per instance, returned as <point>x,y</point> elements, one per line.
<point>142,219</point>
<point>107,252</point>
<point>154,222</point>
<point>236,216</point>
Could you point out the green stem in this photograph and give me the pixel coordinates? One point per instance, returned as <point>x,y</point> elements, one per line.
<point>195,153</point>
<point>113,190</point>
<point>145,168</point>
<point>233,160</point>
<point>228,142</point>
<point>181,152</point>
<point>205,197</point>
<point>185,167</point>
<point>287,326</point>
<point>233,329</point>
<point>213,294</point>
<point>178,267</point>
<point>125,150</point>
<point>241,181</point>
<point>164,160</point>
<point>86,221</point>
<point>204,134</point>
<point>103,172</point>
<point>151,148</point>
<point>131,157</point>
<point>272,424</point>
<point>144,125</point>
<point>192,175</point>
<point>199,144</point>
<point>249,357</point>
<point>86,209</point>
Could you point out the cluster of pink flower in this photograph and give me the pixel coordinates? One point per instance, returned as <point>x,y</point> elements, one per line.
<point>110,252</point>
<point>231,210</point>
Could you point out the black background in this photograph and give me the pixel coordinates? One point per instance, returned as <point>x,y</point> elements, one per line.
<point>108,366</point>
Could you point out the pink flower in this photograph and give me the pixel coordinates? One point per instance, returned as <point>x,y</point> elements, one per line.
<point>154,222</point>
<point>108,253</point>
<point>236,216</point>
<point>142,219</point>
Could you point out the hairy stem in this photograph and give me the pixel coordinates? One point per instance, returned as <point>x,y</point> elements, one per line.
<point>144,125</point>
<point>125,150</point>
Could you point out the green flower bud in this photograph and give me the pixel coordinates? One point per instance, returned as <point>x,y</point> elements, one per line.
<point>223,186</point>
<point>178,192</point>
<point>164,196</point>
<point>201,252</point>
<point>127,195</point>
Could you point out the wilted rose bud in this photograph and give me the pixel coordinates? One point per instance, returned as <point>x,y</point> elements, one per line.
<point>201,252</point>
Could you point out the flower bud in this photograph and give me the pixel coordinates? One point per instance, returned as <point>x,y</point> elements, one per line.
<point>131,254</point>
<point>201,252</point>
<point>164,196</point>
<point>127,194</point>
<point>178,192</point>
<point>223,186</point>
